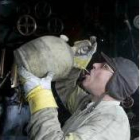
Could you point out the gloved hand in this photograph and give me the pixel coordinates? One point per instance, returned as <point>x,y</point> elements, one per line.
<point>37,90</point>
<point>83,51</point>
<point>30,81</point>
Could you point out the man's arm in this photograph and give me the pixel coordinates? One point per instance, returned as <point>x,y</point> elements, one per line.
<point>44,125</point>
<point>69,92</point>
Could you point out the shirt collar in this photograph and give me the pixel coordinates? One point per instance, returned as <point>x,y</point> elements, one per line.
<point>104,103</point>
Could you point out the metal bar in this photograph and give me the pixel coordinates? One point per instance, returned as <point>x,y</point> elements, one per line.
<point>4,80</point>
<point>2,63</point>
<point>14,82</point>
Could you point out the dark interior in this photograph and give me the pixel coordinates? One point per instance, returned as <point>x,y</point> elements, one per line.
<point>113,22</point>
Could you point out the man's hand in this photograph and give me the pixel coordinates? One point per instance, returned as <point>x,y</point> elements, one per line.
<point>83,51</point>
<point>30,81</point>
<point>37,90</point>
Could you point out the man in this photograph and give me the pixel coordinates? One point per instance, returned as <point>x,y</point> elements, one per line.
<point>96,111</point>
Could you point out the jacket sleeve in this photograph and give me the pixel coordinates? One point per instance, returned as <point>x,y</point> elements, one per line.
<point>44,125</point>
<point>69,92</point>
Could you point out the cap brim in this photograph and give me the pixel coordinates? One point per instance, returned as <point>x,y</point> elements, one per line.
<point>108,60</point>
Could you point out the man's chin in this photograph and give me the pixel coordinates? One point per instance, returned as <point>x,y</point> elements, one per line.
<point>84,84</point>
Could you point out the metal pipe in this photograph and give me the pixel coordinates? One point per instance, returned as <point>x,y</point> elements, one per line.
<point>14,82</point>
<point>4,80</point>
<point>2,63</point>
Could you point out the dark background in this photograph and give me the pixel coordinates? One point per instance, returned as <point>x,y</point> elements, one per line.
<point>112,21</point>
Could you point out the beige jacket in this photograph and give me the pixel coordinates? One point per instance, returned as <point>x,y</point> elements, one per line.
<point>108,121</point>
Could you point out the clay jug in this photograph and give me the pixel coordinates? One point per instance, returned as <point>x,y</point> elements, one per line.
<point>46,53</point>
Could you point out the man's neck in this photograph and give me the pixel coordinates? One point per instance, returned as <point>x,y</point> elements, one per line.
<point>108,98</point>
<point>105,98</point>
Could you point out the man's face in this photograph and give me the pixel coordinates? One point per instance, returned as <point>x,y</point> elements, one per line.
<point>98,77</point>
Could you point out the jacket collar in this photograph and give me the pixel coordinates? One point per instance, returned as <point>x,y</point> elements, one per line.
<point>90,107</point>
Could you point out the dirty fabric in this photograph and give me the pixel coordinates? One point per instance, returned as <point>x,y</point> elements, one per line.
<point>108,121</point>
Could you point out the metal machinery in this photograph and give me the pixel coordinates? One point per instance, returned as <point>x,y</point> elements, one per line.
<point>115,23</point>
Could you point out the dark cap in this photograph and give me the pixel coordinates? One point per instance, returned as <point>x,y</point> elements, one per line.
<point>125,80</point>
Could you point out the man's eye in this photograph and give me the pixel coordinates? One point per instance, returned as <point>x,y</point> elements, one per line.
<point>105,66</point>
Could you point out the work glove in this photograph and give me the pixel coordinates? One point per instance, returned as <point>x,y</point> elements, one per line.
<point>83,51</point>
<point>37,90</point>
<point>30,81</point>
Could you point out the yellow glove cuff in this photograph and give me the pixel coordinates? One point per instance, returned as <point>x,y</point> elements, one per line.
<point>40,98</point>
<point>81,63</point>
